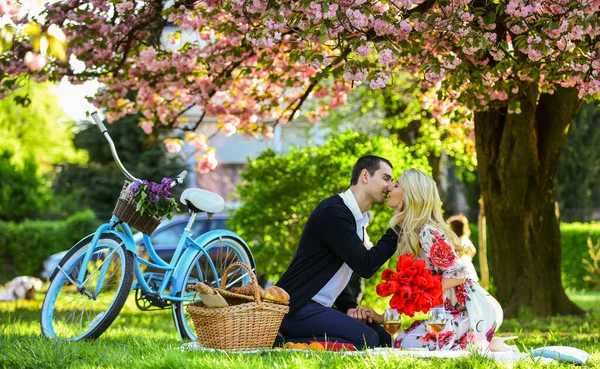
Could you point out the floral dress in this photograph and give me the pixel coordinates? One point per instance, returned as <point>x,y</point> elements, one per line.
<point>474,314</point>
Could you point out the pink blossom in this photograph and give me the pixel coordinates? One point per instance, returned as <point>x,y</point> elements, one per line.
<point>229,129</point>
<point>207,162</point>
<point>386,57</point>
<point>380,82</point>
<point>363,50</point>
<point>147,127</point>
<point>125,6</point>
<point>268,133</point>
<point>35,61</point>
<point>173,145</point>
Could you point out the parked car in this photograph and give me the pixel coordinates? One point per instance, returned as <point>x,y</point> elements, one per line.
<point>164,239</point>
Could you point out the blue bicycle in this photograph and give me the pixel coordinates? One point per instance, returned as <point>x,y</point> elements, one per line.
<point>92,282</point>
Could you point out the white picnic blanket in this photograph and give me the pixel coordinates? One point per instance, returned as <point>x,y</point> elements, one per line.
<point>498,356</point>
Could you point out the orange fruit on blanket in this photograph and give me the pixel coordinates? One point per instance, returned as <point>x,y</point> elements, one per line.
<point>316,346</point>
<point>288,345</point>
<point>300,346</point>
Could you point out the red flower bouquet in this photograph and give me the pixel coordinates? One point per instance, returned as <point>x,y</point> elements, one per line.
<point>413,286</point>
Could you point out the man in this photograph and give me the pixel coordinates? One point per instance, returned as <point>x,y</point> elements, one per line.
<point>331,248</point>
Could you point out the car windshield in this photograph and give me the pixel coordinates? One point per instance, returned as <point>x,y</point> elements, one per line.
<point>170,233</point>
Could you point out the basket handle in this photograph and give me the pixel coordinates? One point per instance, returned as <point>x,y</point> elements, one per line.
<point>237,264</point>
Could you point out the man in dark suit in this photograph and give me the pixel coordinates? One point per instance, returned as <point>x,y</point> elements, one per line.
<point>331,249</point>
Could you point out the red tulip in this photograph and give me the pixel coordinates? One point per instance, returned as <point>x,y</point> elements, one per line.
<point>388,274</point>
<point>404,261</point>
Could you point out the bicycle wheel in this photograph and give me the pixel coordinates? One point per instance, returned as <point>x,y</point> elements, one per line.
<point>223,252</point>
<point>74,312</point>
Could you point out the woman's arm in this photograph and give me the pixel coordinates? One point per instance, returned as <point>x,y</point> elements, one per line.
<point>452,282</point>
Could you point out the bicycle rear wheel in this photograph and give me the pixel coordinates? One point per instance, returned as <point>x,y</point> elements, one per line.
<point>223,252</point>
<point>77,312</point>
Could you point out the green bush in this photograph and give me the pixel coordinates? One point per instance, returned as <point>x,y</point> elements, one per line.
<point>280,192</point>
<point>27,244</point>
<point>574,249</point>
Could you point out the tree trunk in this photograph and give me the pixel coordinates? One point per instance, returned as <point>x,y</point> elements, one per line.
<point>517,159</point>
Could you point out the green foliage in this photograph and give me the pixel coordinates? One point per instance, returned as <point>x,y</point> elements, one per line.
<point>22,193</point>
<point>574,247</point>
<point>41,130</point>
<point>25,245</point>
<point>280,192</point>
<point>577,177</point>
<point>574,238</point>
<point>398,111</point>
<point>34,140</point>
<point>592,267</point>
<point>97,184</point>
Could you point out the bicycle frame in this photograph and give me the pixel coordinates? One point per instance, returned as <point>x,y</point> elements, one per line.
<point>157,262</point>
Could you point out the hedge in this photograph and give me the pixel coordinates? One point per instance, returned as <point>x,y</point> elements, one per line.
<point>574,249</point>
<point>26,245</point>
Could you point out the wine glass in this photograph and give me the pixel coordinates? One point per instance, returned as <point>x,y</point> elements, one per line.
<point>436,320</point>
<point>392,321</point>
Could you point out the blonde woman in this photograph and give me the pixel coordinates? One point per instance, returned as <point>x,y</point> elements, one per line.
<point>474,314</point>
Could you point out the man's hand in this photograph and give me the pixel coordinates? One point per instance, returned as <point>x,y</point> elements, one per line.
<point>365,315</point>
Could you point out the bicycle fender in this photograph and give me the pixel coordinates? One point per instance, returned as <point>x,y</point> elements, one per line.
<point>190,253</point>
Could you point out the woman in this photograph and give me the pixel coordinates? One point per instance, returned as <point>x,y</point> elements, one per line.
<point>459,224</point>
<point>474,314</point>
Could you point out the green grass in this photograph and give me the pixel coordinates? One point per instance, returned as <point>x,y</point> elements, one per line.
<point>149,340</point>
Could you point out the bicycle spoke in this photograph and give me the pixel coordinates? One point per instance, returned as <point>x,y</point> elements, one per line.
<point>209,268</point>
<point>75,311</point>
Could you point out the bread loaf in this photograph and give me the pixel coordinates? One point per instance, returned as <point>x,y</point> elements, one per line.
<point>248,290</point>
<point>277,294</point>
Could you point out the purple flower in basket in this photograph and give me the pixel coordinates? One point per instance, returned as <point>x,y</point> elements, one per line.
<point>136,186</point>
<point>154,198</point>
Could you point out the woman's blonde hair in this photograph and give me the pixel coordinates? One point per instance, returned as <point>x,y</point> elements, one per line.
<point>422,206</point>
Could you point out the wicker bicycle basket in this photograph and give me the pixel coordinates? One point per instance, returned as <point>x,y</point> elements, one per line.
<point>246,324</point>
<point>125,211</point>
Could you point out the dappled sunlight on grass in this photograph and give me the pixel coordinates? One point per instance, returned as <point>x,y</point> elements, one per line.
<point>586,300</point>
<point>139,339</point>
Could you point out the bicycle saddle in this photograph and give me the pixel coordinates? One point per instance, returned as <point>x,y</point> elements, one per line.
<point>199,200</point>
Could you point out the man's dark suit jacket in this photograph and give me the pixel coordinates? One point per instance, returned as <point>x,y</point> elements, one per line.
<point>328,240</point>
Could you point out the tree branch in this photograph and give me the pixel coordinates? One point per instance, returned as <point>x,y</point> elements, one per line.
<point>315,81</point>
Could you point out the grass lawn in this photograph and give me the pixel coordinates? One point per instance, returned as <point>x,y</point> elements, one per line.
<point>149,340</point>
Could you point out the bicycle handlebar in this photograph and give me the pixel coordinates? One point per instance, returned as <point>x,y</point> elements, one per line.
<point>180,178</point>
<point>113,150</point>
<point>177,180</point>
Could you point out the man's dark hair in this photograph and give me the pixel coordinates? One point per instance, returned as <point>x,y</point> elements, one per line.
<point>369,162</point>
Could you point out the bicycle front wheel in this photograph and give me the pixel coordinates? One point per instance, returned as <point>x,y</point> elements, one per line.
<point>223,252</point>
<point>77,310</point>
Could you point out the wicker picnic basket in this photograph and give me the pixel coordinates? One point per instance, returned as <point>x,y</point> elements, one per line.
<point>125,211</point>
<point>248,323</point>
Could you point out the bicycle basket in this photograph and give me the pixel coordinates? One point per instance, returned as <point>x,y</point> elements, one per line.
<point>247,324</point>
<point>125,211</point>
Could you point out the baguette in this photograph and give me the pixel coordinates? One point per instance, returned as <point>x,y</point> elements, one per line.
<point>210,297</point>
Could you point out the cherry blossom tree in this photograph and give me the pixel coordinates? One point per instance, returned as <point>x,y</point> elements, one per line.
<point>517,69</point>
